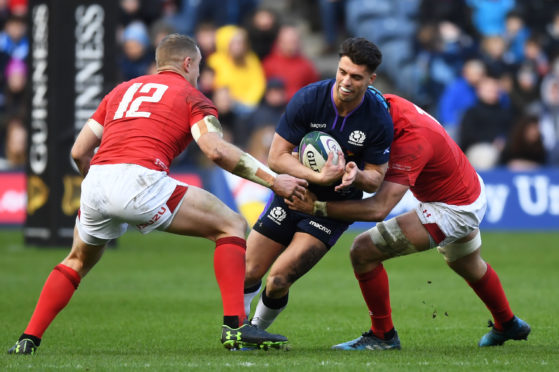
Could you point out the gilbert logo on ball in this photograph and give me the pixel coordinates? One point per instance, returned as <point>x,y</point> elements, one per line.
<point>314,149</point>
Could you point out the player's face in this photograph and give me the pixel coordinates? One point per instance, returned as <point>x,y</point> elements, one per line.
<point>352,80</point>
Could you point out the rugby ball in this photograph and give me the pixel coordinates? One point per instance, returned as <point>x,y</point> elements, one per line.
<point>314,149</point>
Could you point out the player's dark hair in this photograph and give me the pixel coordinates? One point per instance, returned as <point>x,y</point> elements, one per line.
<point>174,48</point>
<point>361,52</point>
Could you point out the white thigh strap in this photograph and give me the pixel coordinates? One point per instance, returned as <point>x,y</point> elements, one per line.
<point>454,251</point>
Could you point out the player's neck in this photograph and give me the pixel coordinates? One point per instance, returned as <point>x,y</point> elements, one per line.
<point>170,68</point>
<point>344,108</point>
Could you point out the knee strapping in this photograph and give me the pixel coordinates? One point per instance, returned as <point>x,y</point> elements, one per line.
<point>390,240</point>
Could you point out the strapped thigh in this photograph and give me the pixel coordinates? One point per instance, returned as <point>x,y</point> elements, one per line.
<point>454,251</point>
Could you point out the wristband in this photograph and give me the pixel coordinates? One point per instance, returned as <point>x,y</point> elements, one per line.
<point>319,209</point>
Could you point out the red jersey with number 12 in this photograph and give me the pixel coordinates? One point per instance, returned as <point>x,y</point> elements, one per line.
<point>147,120</point>
<point>425,158</point>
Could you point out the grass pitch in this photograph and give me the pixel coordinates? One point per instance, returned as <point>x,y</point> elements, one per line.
<point>153,304</point>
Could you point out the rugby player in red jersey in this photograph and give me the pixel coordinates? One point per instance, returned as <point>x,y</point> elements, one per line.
<point>452,202</point>
<point>140,127</point>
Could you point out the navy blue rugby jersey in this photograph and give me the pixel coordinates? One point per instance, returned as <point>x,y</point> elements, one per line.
<point>365,134</point>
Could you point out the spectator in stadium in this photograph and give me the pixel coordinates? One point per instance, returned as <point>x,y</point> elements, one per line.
<point>524,148</point>
<point>489,16</point>
<point>551,37</point>
<point>137,55</point>
<point>452,203</point>
<point>535,56</point>
<point>549,115</point>
<point>145,11</point>
<point>442,49</point>
<point>525,92</point>
<point>492,53</point>
<point>205,37</point>
<point>126,182</point>
<point>332,16</point>
<point>238,69</point>
<point>515,35</point>
<point>460,95</point>
<point>14,91</point>
<point>286,61</point>
<point>13,39</point>
<point>15,147</point>
<point>262,28</point>
<point>271,108</point>
<point>485,125</point>
<point>288,243</point>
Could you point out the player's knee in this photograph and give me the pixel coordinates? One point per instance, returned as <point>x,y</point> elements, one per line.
<point>362,251</point>
<point>253,273</point>
<point>236,225</point>
<point>277,284</point>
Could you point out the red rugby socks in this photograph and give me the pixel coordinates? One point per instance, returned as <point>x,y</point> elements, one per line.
<point>229,267</point>
<point>375,290</point>
<point>57,291</point>
<point>491,292</point>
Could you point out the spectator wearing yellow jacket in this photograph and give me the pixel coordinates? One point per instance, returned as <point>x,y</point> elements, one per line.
<point>237,68</point>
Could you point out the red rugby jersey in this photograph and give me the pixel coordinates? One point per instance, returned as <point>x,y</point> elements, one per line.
<point>147,120</point>
<point>425,158</point>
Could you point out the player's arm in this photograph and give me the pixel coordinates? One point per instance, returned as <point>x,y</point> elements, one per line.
<point>369,179</point>
<point>207,133</point>
<point>84,147</point>
<point>374,208</point>
<point>281,160</point>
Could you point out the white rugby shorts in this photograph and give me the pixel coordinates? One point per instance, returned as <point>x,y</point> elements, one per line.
<point>447,223</point>
<point>116,195</point>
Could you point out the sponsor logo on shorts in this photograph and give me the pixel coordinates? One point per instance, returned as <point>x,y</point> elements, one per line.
<point>357,138</point>
<point>153,220</point>
<point>321,227</point>
<point>318,125</point>
<point>277,214</point>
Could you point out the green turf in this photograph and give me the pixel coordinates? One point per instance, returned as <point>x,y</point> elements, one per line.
<point>153,304</point>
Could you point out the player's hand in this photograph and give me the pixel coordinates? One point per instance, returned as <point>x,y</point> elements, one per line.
<point>289,187</point>
<point>332,171</point>
<point>349,176</point>
<point>305,205</point>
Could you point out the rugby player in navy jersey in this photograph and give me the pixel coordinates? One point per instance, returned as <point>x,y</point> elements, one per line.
<point>290,243</point>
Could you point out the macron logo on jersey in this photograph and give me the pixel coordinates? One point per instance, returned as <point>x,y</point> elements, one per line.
<point>387,151</point>
<point>318,125</point>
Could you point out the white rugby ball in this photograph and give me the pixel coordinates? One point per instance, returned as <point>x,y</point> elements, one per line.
<point>314,149</point>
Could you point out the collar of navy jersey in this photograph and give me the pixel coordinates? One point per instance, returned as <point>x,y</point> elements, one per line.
<point>336,110</point>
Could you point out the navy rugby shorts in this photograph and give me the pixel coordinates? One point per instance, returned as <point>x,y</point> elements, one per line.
<point>280,223</point>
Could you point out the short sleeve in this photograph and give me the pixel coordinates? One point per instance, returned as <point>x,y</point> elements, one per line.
<point>407,160</point>
<point>289,125</point>
<point>101,111</point>
<point>200,107</point>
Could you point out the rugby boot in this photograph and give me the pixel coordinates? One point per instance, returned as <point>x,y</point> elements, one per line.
<point>23,346</point>
<point>250,337</point>
<point>368,341</point>
<point>518,330</point>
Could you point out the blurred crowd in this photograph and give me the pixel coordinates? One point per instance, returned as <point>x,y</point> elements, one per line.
<point>488,70</point>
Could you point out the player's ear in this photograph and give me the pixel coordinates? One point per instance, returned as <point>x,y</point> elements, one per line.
<point>186,63</point>
<point>373,77</point>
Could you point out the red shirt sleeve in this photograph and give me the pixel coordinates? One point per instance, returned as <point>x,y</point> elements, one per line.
<point>101,112</point>
<point>200,107</point>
